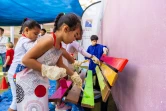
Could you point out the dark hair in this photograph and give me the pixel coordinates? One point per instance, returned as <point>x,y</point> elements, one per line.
<point>81,33</point>
<point>81,30</point>
<point>2,29</point>
<point>94,37</point>
<point>44,30</point>
<point>30,24</point>
<point>70,19</point>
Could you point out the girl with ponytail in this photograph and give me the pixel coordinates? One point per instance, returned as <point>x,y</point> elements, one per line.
<point>43,62</point>
<point>29,30</point>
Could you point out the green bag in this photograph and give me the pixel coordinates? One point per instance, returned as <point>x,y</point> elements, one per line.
<point>8,39</point>
<point>1,61</point>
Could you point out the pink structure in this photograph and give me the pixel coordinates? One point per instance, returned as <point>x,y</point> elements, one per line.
<point>136,30</point>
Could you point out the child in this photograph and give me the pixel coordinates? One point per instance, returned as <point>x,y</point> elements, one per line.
<point>42,32</point>
<point>43,62</point>
<point>97,50</point>
<point>9,56</point>
<point>73,49</point>
<point>29,30</point>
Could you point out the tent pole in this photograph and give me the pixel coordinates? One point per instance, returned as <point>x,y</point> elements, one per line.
<point>41,25</point>
<point>12,34</point>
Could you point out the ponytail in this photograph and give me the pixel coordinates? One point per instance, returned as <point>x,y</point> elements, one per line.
<point>30,24</point>
<point>56,22</point>
<point>72,20</point>
<point>25,19</point>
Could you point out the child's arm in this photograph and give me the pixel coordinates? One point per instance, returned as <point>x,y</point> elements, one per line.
<point>30,58</point>
<point>74,75</point>
<point>7,60</point>
<point>105,50</point>
<point>60,64</point>
<point>89,53</point>
<point>70,58</point>
<point>93,57</point>
<point>79,49</point>
<point>67,56</point>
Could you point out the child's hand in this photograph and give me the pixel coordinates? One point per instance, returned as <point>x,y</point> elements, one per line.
<point>105,50</point>
<point>4,65</point>
<point>95,60</point>
<point>77,63</point>
<point>85,61</point>
<point>53,72</point>
<point>76,79</point>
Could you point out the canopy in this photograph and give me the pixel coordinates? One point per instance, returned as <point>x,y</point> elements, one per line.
<point>12,12</point>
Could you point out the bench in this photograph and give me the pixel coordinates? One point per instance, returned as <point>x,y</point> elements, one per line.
<point>73,93</point>
<point>107,74</point>
<point>61,91</point>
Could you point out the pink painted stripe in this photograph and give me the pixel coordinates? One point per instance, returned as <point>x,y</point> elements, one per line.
<point>61,91</point>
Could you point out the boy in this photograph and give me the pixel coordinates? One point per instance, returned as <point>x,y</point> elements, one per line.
<point>97,50</point>
<point>42,32</point>
<point>9,56</point>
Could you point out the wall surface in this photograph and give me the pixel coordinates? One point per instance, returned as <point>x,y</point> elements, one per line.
<point>136,30</point>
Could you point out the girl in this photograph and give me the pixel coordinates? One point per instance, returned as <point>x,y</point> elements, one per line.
<point>29,30</point>
<point>44,61</point>
<point>73,49</point>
